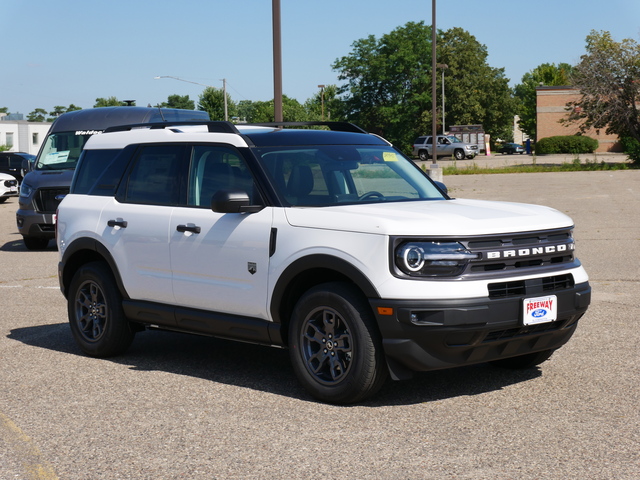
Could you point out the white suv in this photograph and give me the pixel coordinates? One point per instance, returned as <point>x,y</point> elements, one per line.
<point>330,243</point>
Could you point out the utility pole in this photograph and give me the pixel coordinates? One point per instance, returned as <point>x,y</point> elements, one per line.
<point>224,91</point>
<point>435,172</point>
<point>321,87</point>
<point>277,62</point>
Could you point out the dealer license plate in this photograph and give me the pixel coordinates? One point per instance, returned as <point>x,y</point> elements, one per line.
<point>540,310</point>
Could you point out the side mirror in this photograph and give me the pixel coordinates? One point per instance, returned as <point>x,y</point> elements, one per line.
<point>233,201</point>
<point>442,187</point>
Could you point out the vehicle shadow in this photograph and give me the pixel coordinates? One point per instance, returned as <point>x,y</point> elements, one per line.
<point>18,245</point>
<point>268,369</point>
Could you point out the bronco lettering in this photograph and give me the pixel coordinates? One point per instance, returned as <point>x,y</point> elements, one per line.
<point>526,252</point>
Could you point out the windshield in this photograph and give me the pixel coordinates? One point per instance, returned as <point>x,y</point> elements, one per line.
<point>61,151</point>
<point>336,174</point>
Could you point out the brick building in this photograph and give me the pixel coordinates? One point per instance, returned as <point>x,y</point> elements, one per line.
<point>551,108</point>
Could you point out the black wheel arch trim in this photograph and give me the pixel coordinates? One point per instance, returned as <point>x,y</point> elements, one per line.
<point>87,244</point>
<point>317,262</point>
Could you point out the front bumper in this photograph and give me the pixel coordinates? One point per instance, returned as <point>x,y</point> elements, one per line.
<point>432,335</point>
<point>33,224</point>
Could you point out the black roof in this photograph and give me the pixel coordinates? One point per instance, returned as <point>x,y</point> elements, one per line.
<point>105,117</point>
<point>281,137</point>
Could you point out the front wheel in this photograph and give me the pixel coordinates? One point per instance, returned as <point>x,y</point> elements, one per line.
<point>334,344</point>
<point>35,243</point>
<point>95,312</point>
<point>459,154</point>
<point>524,361</point>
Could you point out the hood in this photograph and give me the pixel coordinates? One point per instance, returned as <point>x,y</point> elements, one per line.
<point>49,178</point>
<point>431,218</point>
<point>6,176</point>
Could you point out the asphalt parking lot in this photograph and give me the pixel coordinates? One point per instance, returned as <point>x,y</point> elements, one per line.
<point>178,406</point>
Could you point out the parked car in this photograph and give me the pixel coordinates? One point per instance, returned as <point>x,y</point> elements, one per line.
<point>13,163</point>
<point>8,187</point>
<point>511,148</point>
<point>332,244</point>
<point>448,145</point>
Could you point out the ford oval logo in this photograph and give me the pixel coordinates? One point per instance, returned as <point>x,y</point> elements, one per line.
<point>539,313</point>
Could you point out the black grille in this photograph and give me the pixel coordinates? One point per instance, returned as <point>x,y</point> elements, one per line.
<point>46,199</point>
<point>516,252</point>
<point>534,286</point>
<point>522,331</point>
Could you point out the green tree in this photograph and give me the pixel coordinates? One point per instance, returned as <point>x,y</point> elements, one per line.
<point>212,101</point>
<point>608,77</point>
<point>330,107</point>
<point>4,110</point>
<point>260,112</point>
<point>57,111</point>
<point>38,115</point>
<point>548,74</point>
<point>179,101</point>
<point>73,108</point>
<point>110,102</point>
<point>245,110</point>
<point>388,83</point>
<point>475,92</point>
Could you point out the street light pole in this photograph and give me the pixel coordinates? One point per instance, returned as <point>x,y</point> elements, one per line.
<point>443,66</point>
<point>435,172</point>
<point>277,61</point>
<point>224,89</point>
<point>434,132</point>
<point>321,87</point>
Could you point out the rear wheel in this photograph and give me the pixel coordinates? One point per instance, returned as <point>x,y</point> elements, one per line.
<point>423,155</point>
<point>524,361</point>
<point>95,312</point>
<point>335,346</point>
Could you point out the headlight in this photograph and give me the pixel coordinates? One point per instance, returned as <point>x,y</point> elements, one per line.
<point>25,190</point>
<point>431,259</point>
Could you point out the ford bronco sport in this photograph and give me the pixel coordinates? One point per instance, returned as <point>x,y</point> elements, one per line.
<point>332,244</point>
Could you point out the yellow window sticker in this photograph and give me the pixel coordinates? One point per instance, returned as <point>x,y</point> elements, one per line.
<point>389,156</point>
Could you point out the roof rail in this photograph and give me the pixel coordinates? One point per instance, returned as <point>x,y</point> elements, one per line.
<point>335,126</point>
<point>217,127</point>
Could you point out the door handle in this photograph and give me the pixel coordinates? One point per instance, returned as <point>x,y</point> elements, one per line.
<point>188,228</point>
<point>117,223</point>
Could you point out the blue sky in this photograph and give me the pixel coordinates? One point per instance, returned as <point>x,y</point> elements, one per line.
<point>69,51</point>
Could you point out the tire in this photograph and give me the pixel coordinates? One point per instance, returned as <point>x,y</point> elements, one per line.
<point>459,154</point>
<point>95,311</point>
<point>423,155</point>
<point>335,346</point>
<point>524,361</point>
<point>35,243</point>
<point>3,199</point>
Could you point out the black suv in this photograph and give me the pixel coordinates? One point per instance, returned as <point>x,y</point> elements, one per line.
<point>15,163</point>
